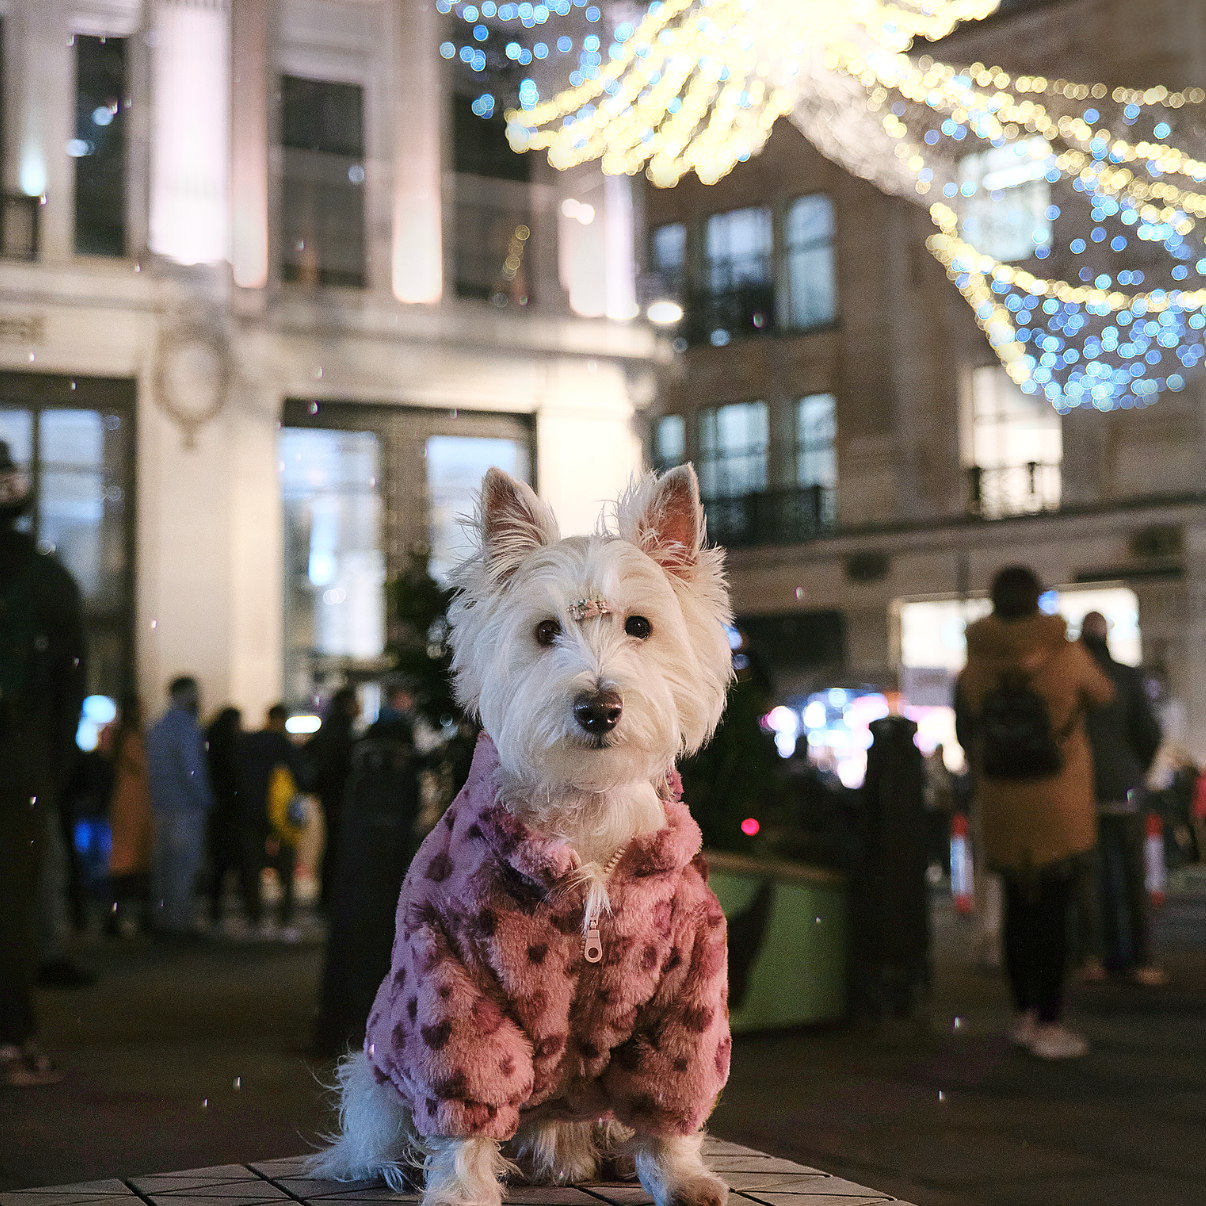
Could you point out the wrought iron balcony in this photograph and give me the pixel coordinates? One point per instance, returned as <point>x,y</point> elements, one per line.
<point>1013,489</point>
<point>772,517</point>
<point>740,312</point>
<point>20,218</point>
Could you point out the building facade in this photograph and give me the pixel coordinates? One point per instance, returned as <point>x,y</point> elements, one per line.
<point>862,448</point>
<point>271,298</point>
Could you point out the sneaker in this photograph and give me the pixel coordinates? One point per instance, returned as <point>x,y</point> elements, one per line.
<point>1051,1041</point>
<point>1021,1033</point>
<point>1092,971</point>
<point>1149,976</point>
<point>27,1067</point>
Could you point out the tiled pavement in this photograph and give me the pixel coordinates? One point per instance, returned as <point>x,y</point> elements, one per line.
<point>754,1178</point>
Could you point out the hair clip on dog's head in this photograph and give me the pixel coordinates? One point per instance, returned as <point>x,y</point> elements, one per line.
<point>588,609</point>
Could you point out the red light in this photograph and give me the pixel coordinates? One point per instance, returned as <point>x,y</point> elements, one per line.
<point>750,827</point>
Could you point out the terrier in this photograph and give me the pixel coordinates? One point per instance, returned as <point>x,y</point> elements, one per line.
<point>558,989</point>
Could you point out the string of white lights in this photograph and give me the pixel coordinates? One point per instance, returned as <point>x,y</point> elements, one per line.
<point>1097,180</point>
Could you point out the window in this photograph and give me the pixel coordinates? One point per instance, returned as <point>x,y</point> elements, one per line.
<point>811,285</point>
<point>455,468</point>
<point>738,295</point>
<point>334,566</point>
<point>668,257</point>
<point>362,488</point>
<point>322,193</point>
<point>493,219</point>
<point>74,437</point>
<point>732,450</point>
<point>669,442</point>
<point>1015,448</point>
<point>1004,199</point>
<point>99,146</point>
<point>816,436</point>
<point>738,249</point>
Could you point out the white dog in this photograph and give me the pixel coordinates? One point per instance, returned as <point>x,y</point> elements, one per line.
<point>558,983</point>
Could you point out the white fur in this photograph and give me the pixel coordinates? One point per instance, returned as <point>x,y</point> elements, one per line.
<point>596,792</point>
<point>375,1137</point>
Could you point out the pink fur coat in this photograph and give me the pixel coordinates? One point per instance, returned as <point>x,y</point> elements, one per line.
<point>490,1013</point>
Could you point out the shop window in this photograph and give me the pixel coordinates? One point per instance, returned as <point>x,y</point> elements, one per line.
<point>74,438</point>
<point>1013,445</point>
<point>363,488</point>
<point>491,249</point>
<point>738,297</point>
<point>733,442</point>
<point>334,565</point>
<point>811,280</point>
<point>668,258</point>
<point>669,442</point>
<point>322,189</point>
<point>455,468</point>
<point>99,146</point>
<point>1004,200</point>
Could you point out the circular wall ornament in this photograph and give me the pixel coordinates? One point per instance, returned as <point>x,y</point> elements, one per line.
<point>192,376</point>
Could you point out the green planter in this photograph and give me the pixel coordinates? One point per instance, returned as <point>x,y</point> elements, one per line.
<point>787,940</point>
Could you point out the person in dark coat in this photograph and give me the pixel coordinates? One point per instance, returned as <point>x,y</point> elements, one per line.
<point>42,686</point>
<point>330,755</point>
<point>1123,737</point>
<point>225,847</point>
<point>378,840</point>
<point>259,755</point>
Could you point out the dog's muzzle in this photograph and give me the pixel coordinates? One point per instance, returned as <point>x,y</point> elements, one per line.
<point>599,713</point>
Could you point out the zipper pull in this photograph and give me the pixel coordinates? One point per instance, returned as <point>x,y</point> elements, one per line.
<point>592,948</point>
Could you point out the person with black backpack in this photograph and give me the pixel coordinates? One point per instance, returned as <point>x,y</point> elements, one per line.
<point>42,684</point>
<point>1020,704</point>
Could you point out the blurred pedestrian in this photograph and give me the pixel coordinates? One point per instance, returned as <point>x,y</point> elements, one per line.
<point>226,847</point>
<point>1124,737</point>
<point>1020,704</point>
<point>42,677</point>
<point>180,801</point>
<point>395,719</point>
<point>330,755</point>
<point>380,837</point>
<point>272,770</point>
<point>129,822</point>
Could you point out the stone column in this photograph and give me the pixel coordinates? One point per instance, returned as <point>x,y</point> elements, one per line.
<point>190,140</point>
<point>418,269</point>
<point>39,100</point>
<point>249,143</point>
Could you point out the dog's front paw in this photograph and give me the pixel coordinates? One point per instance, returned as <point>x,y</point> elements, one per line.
<point>673,1172</point>
<point>705,1190</point>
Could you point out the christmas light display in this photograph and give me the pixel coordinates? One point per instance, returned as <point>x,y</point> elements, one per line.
<point>1053,201</point>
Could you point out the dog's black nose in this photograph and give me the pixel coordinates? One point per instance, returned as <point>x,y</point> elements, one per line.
<point>598,713</point>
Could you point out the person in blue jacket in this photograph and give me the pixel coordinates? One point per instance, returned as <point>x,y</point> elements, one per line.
<point>181,800</point>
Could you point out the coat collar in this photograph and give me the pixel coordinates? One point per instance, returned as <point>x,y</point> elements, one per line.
<point>550,860</point>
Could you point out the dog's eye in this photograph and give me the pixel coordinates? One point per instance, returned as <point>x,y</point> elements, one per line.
<point>638,626</point>
<point>547,632</point>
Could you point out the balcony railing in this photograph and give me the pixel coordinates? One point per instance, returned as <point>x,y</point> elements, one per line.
<point>738,313</point>
<point>1013,489</point>
<point>20,217</point>
<point>772,517</point>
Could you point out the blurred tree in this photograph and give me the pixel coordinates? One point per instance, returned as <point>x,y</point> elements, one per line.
<point>423,656</point>
<point>738,773</point>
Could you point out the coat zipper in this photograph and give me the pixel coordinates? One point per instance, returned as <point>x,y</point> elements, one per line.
<point>592,944</point>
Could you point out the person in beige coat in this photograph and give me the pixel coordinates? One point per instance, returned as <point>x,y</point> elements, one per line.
<point>1038,822</point>
<point>130,822</point>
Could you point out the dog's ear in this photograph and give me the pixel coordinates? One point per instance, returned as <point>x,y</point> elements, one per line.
<point>513,522</point>
<point>662,516</point>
